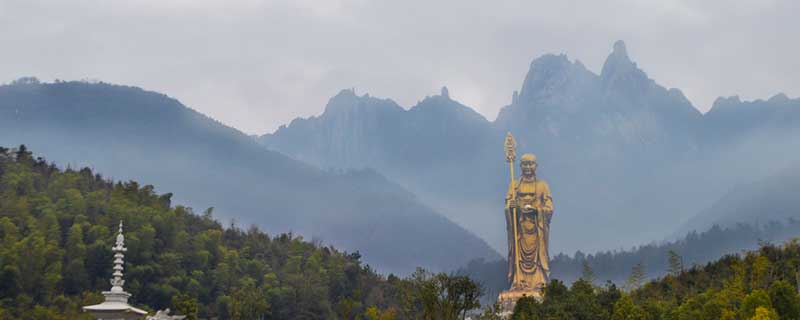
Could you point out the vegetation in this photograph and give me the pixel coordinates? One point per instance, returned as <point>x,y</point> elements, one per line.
<point>652,260</point>
<point>57,228</point>
<point>762,284</point>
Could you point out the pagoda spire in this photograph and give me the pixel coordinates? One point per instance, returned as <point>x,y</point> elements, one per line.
<point>116,304</point>
<point>119,261</point>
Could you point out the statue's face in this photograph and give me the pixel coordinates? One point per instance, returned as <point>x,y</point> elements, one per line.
<point>528,168</point>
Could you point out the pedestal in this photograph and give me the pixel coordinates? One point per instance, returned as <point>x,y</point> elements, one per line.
<point>508,299</point>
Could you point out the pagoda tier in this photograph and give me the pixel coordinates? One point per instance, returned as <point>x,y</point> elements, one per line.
<point>115,306</point>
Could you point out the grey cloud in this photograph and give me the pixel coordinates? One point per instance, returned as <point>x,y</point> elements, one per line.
<point>258,64</point>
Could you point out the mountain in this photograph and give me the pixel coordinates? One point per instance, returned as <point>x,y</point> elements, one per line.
<point>367,132</point>
<point>129,133</point>
<point>730,119</point>
<point>751,155</point>
<point>565,104</point>
<point>436,148</point>
<point>599,139</point>
<point>603,140</point>
<point>773,198</point>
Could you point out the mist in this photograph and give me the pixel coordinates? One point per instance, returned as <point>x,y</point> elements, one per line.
<point>256,65</point>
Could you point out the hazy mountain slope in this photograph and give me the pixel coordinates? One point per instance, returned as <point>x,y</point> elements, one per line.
<point>438,148</point>
<point>751,156</point>
<point>731,120</point>
<point>599,139</point>
<point>359,132</point>
<point>773,198</point>
<point>603,141</point>
<point>128,133</point>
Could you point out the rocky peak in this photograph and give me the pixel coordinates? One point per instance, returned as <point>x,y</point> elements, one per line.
<point>346,101</point>
<point>617,62</point>
<point>620,49</point>
<point>725,102</point>
<point>443,107</point>
<point>551,75</point>
<point>623,78</point>
<point>779,98</point>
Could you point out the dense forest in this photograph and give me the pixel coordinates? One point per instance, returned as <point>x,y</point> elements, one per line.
<point>761,284</point>
<point>57,228</point>
<point>654,259</point>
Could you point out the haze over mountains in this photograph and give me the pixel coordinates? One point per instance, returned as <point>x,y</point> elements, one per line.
<point>755,150</point>
<point>628,160</point>
<point>128,133</point>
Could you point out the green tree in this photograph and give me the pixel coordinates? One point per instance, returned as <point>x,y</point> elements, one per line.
<point>527,308</point>
<point>716,307</point>
<point>761,269</point>
<point>607,297</point>
<point>249,301</point>
<point>675,263</point>
<point>636,277</point>
<point>751,302</point>
<point>439,296</point>
<point>185,305</point>
<point>784,299</point>
<point>583,303</point>
<point>78,279</point>
<point>556,301</point>
<point>765,313</point>
<point>587,273</point>
<point>373,313</point>
<point>625,309</point>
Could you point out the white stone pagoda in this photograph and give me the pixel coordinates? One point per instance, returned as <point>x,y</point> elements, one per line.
<point>115,306</point>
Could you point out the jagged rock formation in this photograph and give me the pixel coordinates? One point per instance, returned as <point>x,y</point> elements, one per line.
<point>628,159</point>
<point>427,147</point>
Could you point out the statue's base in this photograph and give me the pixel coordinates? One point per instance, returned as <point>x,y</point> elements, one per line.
<point>508,299</point>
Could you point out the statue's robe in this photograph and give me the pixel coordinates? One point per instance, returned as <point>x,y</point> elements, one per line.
<point>533,233</point>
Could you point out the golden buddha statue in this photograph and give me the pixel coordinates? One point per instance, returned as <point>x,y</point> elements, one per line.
<point>528,210</point>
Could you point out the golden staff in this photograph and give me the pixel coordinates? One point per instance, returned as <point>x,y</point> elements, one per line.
<point>511,155</point>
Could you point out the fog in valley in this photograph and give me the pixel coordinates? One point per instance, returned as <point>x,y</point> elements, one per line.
<point>350,124</point>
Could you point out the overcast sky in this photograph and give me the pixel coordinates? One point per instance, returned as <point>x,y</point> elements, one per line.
<point>256,65</point>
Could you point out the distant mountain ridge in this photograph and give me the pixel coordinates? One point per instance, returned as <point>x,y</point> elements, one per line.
<point>628,159</point>
<point>756,149</point>
<point>129,133</point>
<point>366,132</point>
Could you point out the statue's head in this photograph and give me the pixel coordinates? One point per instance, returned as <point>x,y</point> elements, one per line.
<point>528,165</point>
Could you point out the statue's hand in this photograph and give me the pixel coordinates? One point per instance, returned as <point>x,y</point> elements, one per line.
<point>510,203</point>
<point>530,209</point>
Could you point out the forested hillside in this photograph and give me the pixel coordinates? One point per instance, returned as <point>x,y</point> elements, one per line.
<point>57,228</point>
<point>761,285</point>
<point>132,134</point>
<point>654,260</point>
